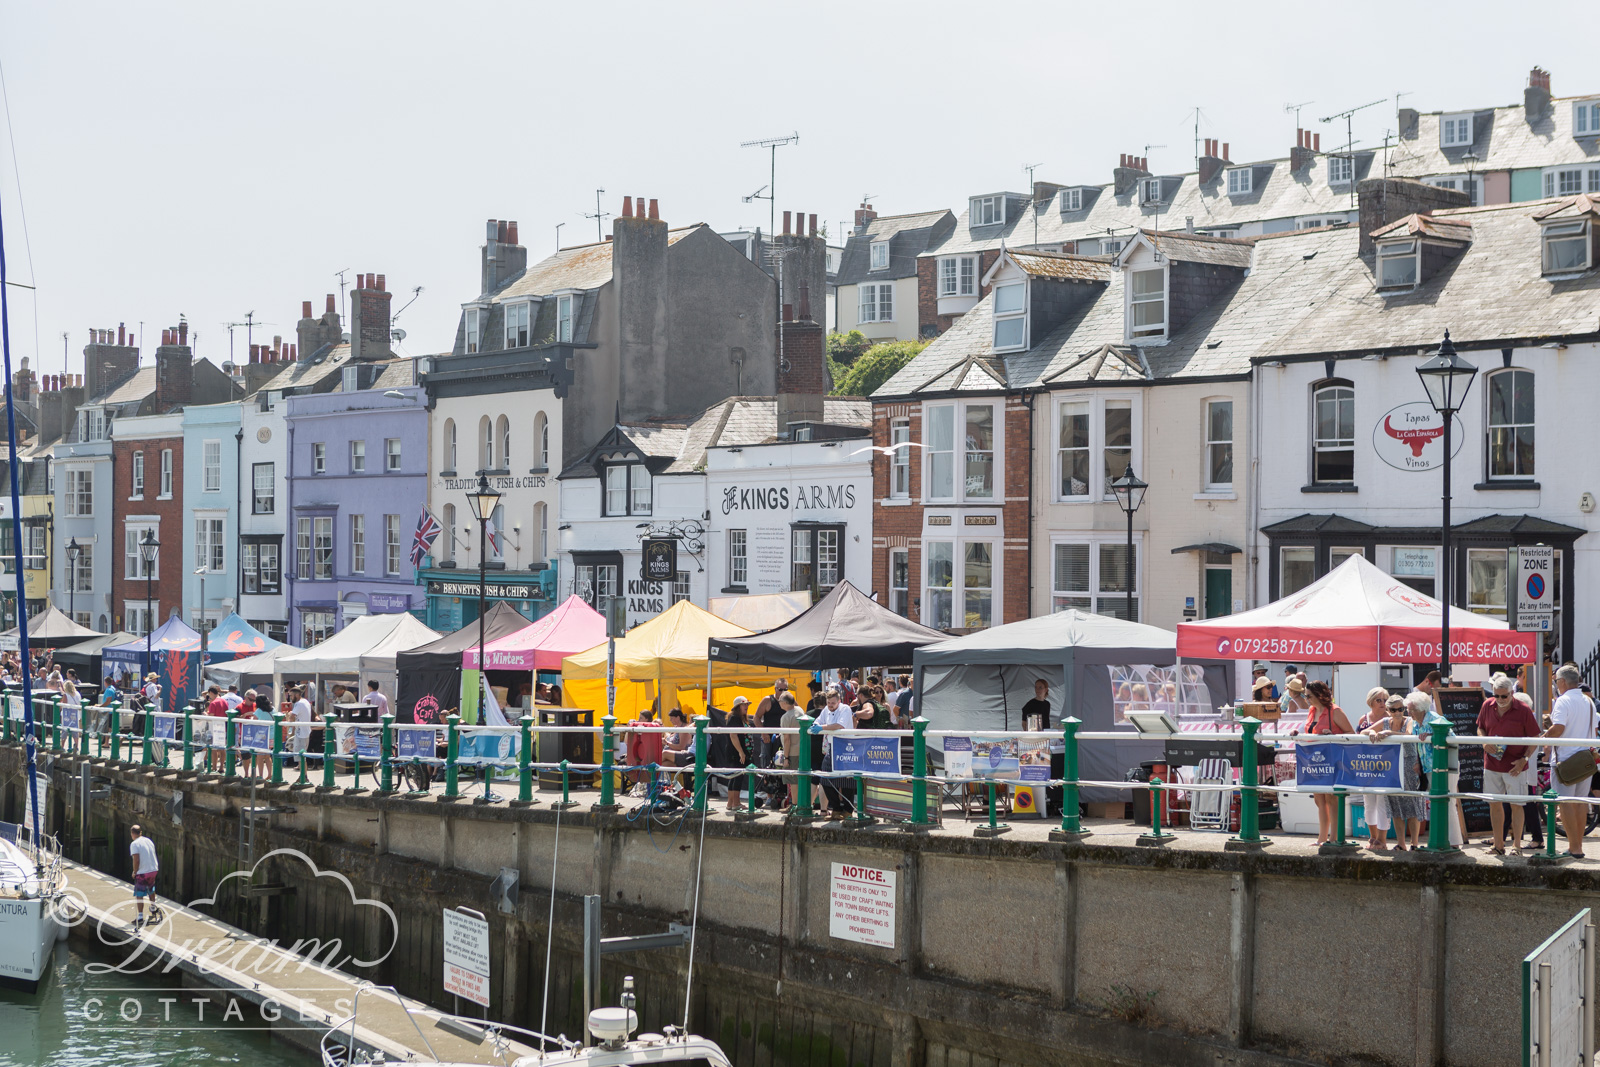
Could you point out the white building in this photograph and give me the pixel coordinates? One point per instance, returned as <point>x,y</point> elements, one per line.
<point>263,523</point>
<point>655,481</point>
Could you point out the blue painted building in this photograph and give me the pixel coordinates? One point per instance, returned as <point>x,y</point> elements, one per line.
<point>358,477</point>
<point>210,560</point>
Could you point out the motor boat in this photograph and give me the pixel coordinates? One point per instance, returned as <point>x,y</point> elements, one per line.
<point>612,1030</point>
<point>30,882</point>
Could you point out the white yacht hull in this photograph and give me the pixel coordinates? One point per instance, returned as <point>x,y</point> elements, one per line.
<point>28,932</point>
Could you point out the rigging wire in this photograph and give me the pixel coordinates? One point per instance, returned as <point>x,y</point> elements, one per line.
<point>550,933</point>
<point>22,211</point>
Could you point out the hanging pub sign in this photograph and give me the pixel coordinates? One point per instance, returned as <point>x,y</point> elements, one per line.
<point>659,562</point>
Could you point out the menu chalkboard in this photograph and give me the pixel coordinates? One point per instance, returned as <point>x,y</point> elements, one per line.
<point>1461,707</point>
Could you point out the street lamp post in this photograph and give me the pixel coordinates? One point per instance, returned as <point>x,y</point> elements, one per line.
<point>1129,491</point>
<point>74,550</point>
<point>148,548</point>
<point>200,660</point>
<point>1446,377</point>
<point>483,501</point>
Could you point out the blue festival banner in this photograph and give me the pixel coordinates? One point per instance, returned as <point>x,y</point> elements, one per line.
<point>486,747</point>
<point>866,755</point>
<point>255,735</point>
<point>165,729</point>
<point>414,744</point>
<point>70,718</point>
<point>368,741</point>
<point>1354,767</point>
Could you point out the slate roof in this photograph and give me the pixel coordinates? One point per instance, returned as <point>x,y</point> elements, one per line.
<point>1307,293</point>
<point>1573,207</point>
<point>1061,265</point>
<point>1438,227</point>
<point>310,369</point>
<point>395,373</point>
<point>1503,140</point>
<point>908,236</point>
<point>1277,193</point>
<point>131,390</point>
<point>579,267</point>
<point>738,420</point>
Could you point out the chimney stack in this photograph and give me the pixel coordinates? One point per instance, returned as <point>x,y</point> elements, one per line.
<point>502,257</point>
<point>1303,154</point>
<point>1212,162</point>
<point>1536,97</point>
<point>1129,170</point>
<point>864,216</point>
<point>369,318</point>
<point>174,368</point>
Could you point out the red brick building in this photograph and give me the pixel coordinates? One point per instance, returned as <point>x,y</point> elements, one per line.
<point>146,495</point>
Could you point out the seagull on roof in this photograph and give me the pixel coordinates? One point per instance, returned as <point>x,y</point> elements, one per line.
<point>887,450</point>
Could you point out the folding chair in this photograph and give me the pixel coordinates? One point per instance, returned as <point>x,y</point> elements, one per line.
<point>1208,808</point>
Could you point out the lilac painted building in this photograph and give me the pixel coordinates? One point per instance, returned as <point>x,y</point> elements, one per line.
<point>358,477</point>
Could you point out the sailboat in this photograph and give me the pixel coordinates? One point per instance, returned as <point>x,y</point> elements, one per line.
<point>30,871</point>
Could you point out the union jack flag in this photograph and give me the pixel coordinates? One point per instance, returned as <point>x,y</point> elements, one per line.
<point>428,531</point>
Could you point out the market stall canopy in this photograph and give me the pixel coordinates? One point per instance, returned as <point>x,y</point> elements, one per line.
<point>235,637</point>
<point>445,654</point>
<point>540,646</point>
<point>846,628</point>
<point>1356,614</point>
<point>49,628</point>
<point>761,611</point>
<point>378,636</point>
<point>252,670</point>
<point>174,635</point>
<point>670,649</point>
<point>172,651</point>
<point>84,657</point>
<point>1078,636</point>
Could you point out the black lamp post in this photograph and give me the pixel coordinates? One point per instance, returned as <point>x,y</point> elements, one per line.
<point>1446,377</point>
<point>74,550</point>
<point>483,501</point>
<point>148,547</point>
<point>1130,494</point>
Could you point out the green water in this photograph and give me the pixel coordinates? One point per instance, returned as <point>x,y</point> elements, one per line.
<point>79,1019</point>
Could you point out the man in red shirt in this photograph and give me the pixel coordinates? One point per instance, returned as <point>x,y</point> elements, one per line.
<point>1505,767</point>
<point>218,707</point>
<point>644,749</point>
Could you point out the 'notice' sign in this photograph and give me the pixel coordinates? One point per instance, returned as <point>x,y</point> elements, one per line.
<point>861,905</point>
<point>466,956</point>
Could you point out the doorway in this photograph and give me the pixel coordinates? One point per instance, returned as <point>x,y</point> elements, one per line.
<point>1219,591</point>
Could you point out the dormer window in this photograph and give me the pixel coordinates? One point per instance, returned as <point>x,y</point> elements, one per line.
<point>880,255</point>
<point>627,489</point>
<point>987,210</point>
<point>1147,304</point>
<point>1397,265</point>
<point>1010,316</point>
<point>1149,190</point>
<point>1339,169</point>
<point>1455,131</point>
<point>564,310</point>
<point>474,329</point>
<point>1239,180</point>
<point>1072,200</point>
<point>1586,118</point>
<point>1567,247</point>
<point>517,323</point>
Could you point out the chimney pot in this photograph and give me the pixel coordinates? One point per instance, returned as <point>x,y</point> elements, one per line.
<point>627,207</point>
<point>811,224</point>
<point>653,212</point>
<point>492,230</point>
<point>608,238</point>
<point>183,333</point>
<point>511,234</point>
<point>121,333</point>
<point>382,288</point>
<point>788,313</point>
<point>1225,150</point>
<point>786,224</point>
<point>331,305</point>
<point>805,301</point>
<point>500,231</point>
<point>1316,142</point>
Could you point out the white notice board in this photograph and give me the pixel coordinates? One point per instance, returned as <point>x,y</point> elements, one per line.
<point>861,905</point>
<point>466,955</point>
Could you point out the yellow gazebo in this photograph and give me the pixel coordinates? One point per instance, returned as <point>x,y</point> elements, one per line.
<point>660,657</point>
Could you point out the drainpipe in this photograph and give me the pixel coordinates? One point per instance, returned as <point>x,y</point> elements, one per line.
<point>288,556</point>
<point>1032,474</point>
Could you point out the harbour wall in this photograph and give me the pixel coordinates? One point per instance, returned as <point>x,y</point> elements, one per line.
<point>1005,951</point>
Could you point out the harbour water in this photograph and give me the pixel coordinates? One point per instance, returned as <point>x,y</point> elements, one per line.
<point>81,1019</point>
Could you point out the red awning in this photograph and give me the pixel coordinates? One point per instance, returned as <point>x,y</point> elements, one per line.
<point>1355,614</point>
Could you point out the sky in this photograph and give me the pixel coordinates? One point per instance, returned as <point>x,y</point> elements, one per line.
<point>211,160</point>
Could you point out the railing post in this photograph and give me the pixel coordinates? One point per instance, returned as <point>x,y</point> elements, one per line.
<point>1249,793</point>
<point>750,788</point>
<point>385,764</point>
<point>83,728</point>
<point>995,827</point>
<point>55,716</point>
<point>1550,797</point>
<point>1071,821</point>
<point>188,740</point>
<point>525,763</point>
<point>802,805</point>
<point>330,748</point>
<point>1439,794</point>
<point>919,771</point>
<point>230,738</point>
<point>700,724</point>
<point>566,785</point>
<point>5,714</point>
<point>608,753</point>
<point>452,752</point>
<point>145,756</point>
<point>1339,845</point>
<point>277,748</point>
<point>1156,836</point>
<point>116,731</point>
<point>859,816</point>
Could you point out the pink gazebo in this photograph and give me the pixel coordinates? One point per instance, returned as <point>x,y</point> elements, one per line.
<point>541,646</point>
<point>1355,614</point>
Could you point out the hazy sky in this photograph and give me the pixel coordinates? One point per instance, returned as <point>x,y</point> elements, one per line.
<point>212,159</point>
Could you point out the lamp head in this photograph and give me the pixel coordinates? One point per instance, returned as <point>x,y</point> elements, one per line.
<point>149,546</point>
<point>483,499</point>
<point>1447,377</point>
<point>1129,490</point>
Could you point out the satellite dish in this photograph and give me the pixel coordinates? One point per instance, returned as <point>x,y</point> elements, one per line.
<point>399,334</point>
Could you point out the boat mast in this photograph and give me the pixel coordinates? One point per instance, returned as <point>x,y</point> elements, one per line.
<point>29,739</point>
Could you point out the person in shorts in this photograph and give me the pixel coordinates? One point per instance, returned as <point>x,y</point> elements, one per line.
<point>1505,767</point>
<point>1572,717</point>
<point>142,854</point>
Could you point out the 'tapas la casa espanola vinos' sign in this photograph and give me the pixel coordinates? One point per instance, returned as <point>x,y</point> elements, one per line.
<point>1411,437</point>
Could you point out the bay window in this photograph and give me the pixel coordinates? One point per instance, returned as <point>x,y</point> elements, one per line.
<point>959,591</point>
<point>979,444</point>
<point>958,276</point>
